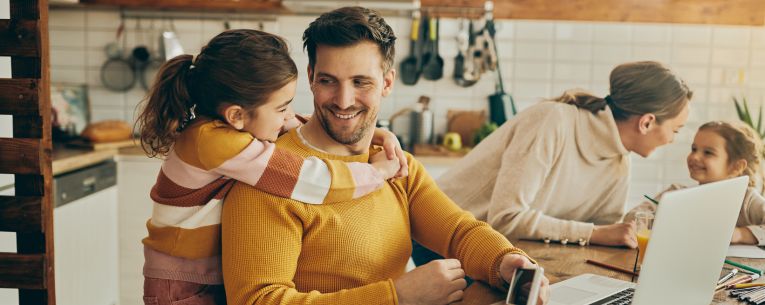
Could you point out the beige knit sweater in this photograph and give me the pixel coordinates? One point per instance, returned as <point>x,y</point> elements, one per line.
<point>552,172</point>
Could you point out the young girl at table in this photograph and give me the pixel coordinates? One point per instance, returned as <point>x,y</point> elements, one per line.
<point>214,117</point>
<point>723,150</point>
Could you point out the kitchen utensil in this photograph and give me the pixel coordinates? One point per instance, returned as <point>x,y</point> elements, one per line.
<point>140,54</point>
<point>171,43</point>
<point>410,70</point>
<point>434,68</point>
<point>426,48</point>
<point>156,59</point>
<point>499,99</point>
<point>117,73</point>
<point>473,59</point>
<point>459,60</point>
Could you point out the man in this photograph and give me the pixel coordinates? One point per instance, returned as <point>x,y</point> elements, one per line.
<point>279,251</point>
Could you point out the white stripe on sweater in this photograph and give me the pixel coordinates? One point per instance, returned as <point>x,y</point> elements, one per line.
<point>313,182</point>
<point>186,175</point>
<point>187,217</point>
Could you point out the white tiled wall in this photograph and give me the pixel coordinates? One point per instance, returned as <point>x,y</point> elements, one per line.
<point>539,59</point>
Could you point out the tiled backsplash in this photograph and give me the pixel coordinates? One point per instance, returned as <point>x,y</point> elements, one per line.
<point>539,59</point>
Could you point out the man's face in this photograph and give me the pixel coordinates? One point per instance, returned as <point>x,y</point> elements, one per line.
<point>348,84</point>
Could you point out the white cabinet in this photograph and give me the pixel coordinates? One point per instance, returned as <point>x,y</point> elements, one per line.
<point>135,177</point>
<point>85,250</point>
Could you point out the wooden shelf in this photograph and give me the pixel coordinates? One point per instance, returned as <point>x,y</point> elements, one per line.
<point>732,12</point>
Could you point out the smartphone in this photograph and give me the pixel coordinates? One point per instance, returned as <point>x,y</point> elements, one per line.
<point>524,286</point>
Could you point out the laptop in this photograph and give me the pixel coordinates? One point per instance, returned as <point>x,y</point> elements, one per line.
<point>689,241</point>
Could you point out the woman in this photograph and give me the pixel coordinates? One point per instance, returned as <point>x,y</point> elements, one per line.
<point>560,169</point>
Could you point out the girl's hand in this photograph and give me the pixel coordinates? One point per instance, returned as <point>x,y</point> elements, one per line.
<point>742,235</point>
<point>387,168</point>
<point>393,150</point>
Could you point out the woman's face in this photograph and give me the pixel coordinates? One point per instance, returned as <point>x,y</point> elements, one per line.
<point>661,134</point>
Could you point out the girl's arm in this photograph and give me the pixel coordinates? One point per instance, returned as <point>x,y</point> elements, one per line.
<point>750,228</point>
<point>239,156</point>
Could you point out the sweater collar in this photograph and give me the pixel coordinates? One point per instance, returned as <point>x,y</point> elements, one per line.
<point>597,135</point>
<point>307,149</point>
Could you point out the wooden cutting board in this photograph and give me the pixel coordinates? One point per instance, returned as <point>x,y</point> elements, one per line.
<point>465,123</point>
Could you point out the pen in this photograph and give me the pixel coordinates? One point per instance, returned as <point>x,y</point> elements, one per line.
<point>745,267</point>
<point>748,285</point>
<point>727,276</point>
<point>615,268</point>
<point>738,280</point>
<point>651,199</point>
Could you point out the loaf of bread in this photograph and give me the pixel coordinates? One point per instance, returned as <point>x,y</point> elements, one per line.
<point>107,131</point>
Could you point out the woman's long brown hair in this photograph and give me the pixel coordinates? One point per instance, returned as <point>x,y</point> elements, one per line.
<point>237,67</point>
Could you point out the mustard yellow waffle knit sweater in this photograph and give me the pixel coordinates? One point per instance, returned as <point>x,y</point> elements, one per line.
<point>281,251</point>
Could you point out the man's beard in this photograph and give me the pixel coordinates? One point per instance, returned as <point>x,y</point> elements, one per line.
<point>346,137</point>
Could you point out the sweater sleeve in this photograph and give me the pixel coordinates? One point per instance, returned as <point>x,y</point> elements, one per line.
<point>754,213</point>
<point>526,163</point>
<point>440,225</point>
<point>261,244</point>
<point>282,173</point>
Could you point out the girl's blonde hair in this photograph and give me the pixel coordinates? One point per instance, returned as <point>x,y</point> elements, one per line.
<point>741,143</point>
<point>637,88</point>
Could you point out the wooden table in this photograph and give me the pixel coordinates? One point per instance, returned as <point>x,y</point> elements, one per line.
<point>563,262</point>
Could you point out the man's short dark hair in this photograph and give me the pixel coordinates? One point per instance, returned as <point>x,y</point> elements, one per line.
<point>348,26</point>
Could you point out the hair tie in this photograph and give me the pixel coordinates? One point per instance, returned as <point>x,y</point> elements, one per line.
<point>193,60</point>
<point>609,100</point>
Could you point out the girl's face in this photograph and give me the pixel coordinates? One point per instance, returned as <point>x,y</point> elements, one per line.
<point>266,121</point>
<point>708,160</point>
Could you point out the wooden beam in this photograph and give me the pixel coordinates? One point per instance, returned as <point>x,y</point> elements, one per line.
<point>262,6</point>
<point>23,271</point>
<point>28,126</point>
<point>733,12</point>
<point>20,214</point>
<point>19,97</point>
<point>26,67</point>
<point>19,38</point>
<point>19,156</point>
<point>25,9</point>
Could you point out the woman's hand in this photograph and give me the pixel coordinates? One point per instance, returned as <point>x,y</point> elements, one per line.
<point>392,147</point>
<point>618,234</point>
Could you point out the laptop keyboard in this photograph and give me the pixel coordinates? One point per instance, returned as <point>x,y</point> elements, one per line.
<point>623,297</point>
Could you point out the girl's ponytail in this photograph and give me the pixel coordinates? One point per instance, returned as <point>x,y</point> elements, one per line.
<point>167,106</point>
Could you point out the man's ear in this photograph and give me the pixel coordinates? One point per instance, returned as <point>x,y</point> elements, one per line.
<point>389,78</point>
<point>645,122</point>
<point>234,116</point>
<point>309,69</point>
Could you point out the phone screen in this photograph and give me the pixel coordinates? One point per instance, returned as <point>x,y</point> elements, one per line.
<point>520,286</point>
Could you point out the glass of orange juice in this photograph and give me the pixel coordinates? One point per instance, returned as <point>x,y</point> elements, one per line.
<point>643,226</point>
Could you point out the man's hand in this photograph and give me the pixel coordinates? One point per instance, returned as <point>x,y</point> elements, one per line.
<point>619,234</point>
<point>393,150</point>
<point>511,262</point>
<point>435,283</point>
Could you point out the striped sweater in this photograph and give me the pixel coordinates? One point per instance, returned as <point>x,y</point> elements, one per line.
<point>184,230</point>
<point>280,251</point>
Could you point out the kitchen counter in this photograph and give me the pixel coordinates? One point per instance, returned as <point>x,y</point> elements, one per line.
<point>66,159</point>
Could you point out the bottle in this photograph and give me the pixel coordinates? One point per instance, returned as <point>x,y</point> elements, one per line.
<point>422,122</point>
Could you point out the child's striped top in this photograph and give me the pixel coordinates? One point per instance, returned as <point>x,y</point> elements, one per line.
<point>184,230</point>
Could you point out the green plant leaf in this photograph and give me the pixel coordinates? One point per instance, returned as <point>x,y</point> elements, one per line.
<point>739,111</point>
